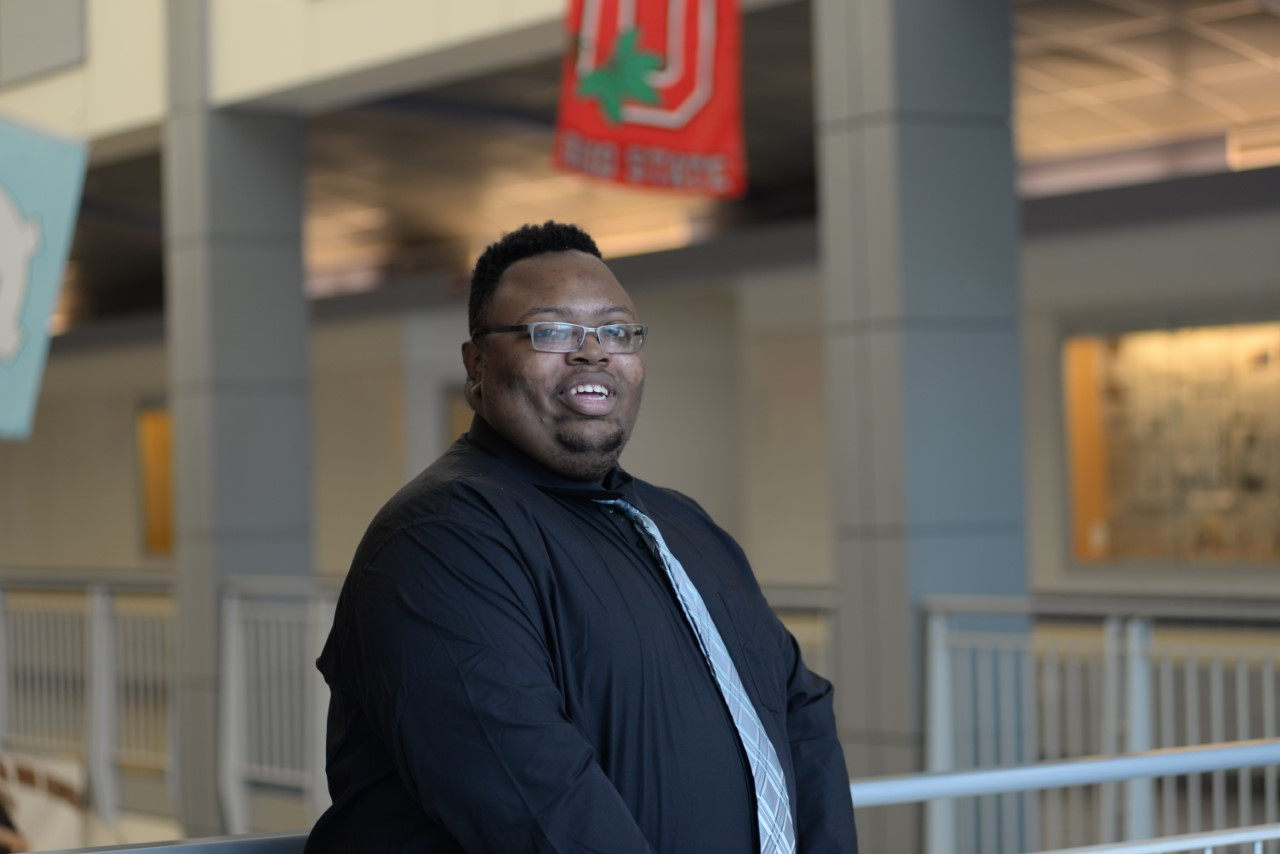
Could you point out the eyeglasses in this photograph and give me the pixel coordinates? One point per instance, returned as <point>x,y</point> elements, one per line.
<point>551,336</point>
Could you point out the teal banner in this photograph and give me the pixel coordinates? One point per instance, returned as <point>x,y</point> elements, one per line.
<point>41,176</point>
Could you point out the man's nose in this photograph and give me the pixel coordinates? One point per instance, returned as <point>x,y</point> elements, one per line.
<point>591,352</point>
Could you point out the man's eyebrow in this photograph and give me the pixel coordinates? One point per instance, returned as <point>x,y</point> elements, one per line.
<point>563,312</point>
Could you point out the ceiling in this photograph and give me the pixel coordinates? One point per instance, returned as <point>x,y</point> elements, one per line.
<point>1117,74</point>
<point>422,181</point>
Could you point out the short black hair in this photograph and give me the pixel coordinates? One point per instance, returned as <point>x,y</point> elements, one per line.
<point>525,242</point>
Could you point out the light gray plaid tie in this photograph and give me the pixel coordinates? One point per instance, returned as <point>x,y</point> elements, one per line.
<point>773,810</point>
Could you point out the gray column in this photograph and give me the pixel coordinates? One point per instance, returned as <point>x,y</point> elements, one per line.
<point>237,331</point>
<point>919,239</point>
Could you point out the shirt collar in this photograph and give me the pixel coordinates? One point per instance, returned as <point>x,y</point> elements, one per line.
<point>617,483</point>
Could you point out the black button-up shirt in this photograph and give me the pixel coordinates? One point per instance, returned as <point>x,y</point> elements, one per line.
<point>510,671</point>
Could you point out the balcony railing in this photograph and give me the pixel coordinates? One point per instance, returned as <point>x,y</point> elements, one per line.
<point>935,787</point>
<point>1010,684</point>
<point>86,671</point>
<point>940,788</point>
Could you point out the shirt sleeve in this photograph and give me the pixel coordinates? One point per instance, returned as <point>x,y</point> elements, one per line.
<point>824,810</point>
<point>451,665</point>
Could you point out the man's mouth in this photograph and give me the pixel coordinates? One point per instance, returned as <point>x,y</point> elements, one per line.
<point>589,390</point>
<point>589,399</point>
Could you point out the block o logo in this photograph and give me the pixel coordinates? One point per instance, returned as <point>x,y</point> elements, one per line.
<point>673,91</point>
<point>19,243</point>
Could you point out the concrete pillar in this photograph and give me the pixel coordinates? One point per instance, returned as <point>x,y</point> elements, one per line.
<point>239,379</point>
<point>919,242</point>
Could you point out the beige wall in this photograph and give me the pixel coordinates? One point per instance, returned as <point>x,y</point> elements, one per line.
<point>732,414</point>
<point>69,497</point>
<point>688,435</point>
<point>786,503</point>
<point>433,374</point>
<point>338,50</point>
<point>264,47</point>
<point>119,89</point>
<point>359,430</point>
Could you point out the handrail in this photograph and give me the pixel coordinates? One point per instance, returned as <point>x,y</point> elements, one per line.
<point>919,788</point>
<point>266,843</point>
<point>293,843</point>
<point>1187,842</point>
<point>816,597</point>
<point>300,586</point>
<point>81,579</point>
<point>1208,608</point>
<point>1014,606</point>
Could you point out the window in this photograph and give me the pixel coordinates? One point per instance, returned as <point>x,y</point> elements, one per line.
<point>155,478</point>
<point>1174,445</point>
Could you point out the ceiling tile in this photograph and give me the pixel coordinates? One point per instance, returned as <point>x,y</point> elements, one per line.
<point>1076,68</point>
<point>1260,31</point>
<point>1073,15</point>
<point>1178,51</point>
<point>1258,95</point>
<point>1216,10</point>
<point>1068,131</point>
<point>1174,112</point>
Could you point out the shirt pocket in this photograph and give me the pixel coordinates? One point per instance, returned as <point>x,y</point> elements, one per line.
<point>765,670</point>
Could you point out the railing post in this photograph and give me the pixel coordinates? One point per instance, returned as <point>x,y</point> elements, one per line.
<point>231,747</point>
<point>1139,793</point>
<point>100,726</point>
<point>1113,651</point>
<point>4,669</point>
<point>319,619</point>
<point>940,745</point>
<point>173,762</point>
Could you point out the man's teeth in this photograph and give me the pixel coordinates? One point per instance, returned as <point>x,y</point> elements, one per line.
<point>590,388</point>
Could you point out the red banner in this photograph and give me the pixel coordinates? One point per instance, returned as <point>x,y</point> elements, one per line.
<point>651,95</point>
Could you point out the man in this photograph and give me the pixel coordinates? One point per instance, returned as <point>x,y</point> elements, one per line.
<point>519,662</point>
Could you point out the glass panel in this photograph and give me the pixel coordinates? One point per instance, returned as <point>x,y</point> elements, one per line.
<point>1174,444</point>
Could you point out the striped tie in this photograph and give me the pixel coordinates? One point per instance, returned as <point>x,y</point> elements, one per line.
<point>773,810</point>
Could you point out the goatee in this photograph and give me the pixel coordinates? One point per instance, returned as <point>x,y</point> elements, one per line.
<point>589,458</point>
<point>609,444</point>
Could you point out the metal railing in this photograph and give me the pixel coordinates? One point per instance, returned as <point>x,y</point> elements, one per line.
<point>268,843</point>
<point>86,666</point>
<point>936,788</point>
<point>923,788</point>
<point>1094,683</point>
<point>1252,839</point>
<point>275,702</point>
<point>87,672</point>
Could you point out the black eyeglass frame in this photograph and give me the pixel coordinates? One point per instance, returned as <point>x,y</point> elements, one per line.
<point>639,331</point>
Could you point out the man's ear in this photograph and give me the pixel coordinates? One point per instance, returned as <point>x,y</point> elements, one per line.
<point>473,361</point>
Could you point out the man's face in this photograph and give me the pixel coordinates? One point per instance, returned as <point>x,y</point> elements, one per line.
<point>572,412</point>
